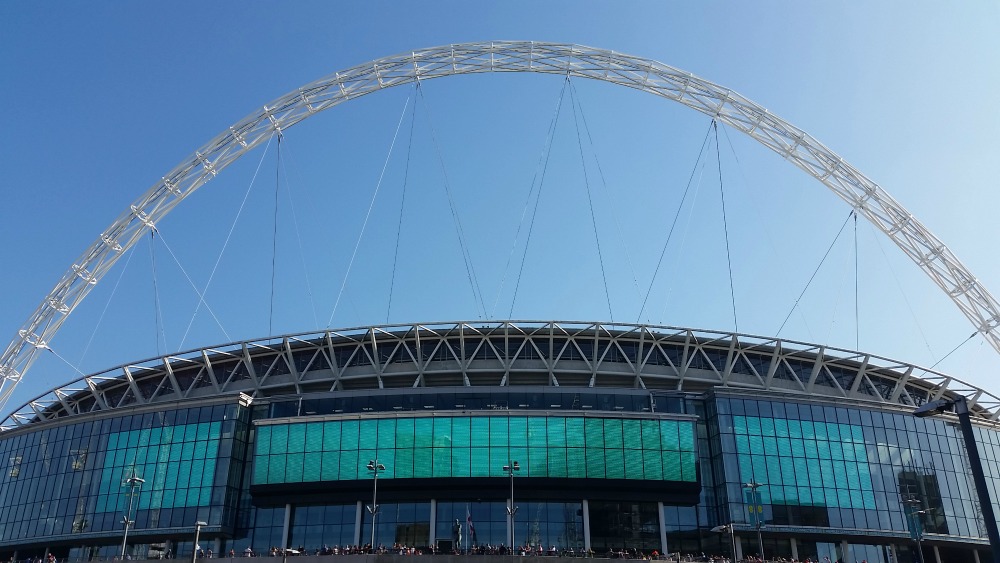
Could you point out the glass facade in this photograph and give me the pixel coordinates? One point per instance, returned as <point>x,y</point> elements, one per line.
<point>68,480</point>
<point>556,446</point>
<point>840,481</point>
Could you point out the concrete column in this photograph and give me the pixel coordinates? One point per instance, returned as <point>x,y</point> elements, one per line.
<point>432,540</point>
<point>586,525</point>
<point>893,554</point>
<point>845,551</point>
<point>795,549</point>
<point>975,554</point>
<point>937,554</point>
<point>285,527</point>
<point>663,528</point>
<point>739,548</point>
<point>359,511</point>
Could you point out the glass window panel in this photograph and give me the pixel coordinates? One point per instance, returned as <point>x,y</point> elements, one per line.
<point>615,462</point>
<point>330,470</point>
<point>518,432</point>
<point>405,435</point>
<point>576,463</point>
<point>403,462</point>
<point>331,436</point>
<point>460,462</point>
<point>632,434</point>
<point>556,432</point>
<point>595,463</point>
<point>314,437</point>
<point>480,432</point>
<point>311,470</point>
<point>480,460</point>
<point>652,465</point>
<point>386,434</point>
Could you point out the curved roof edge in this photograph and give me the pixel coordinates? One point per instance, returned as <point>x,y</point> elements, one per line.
<point>505,353</point>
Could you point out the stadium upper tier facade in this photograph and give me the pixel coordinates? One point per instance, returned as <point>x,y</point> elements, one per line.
<point>603,436</point>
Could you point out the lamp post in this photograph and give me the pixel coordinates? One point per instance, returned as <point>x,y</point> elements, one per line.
<point>132,482</point>
<point>510,469</point>
<point>197,534</point>
<point>732,536</point>
<point>918,525</point>
<point>756,507</point>
<point>961,407</point>
<point>374,467</point>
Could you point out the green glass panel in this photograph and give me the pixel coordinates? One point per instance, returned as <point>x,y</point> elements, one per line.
<point>260,469</point>
<point>784,446</point>
<point>193,497</point>
<point>594,432</point>
<point>480,461</point>
<point>557,462</point>
<point>461,433</point>
<point>576,462</point>
<point>595,466</point>
<point>197,472</point>
<point>575,433</point>
<point>518,431</point>
<point>331,465</point>
<point>822,433</point>
<point>314,437</point>
<point>795,428</point>
<point>781,428</point>
<point>442,435</point>
<point>364,456</point>
<point>422,462</point>
<point>293,468</point>
<point>276,469</point>
<point>387,458</point>
<point>331,436</point>
<point>200,449</point>
<point>537,462</point>
<point>386,434</point>
<point>833,432</point>
<point>537,432</point>
<point>689,467</point>
<point>770,445</point>
<point>349,435</point>
<point>808,430</point>
<point>556,432</point>
<point>614,460</point>
<point>368,433</point>
<point>349,466</point>
<point>499,457</point>
<point>520,455</point>
<point>498,433</point>
<point>652,465</point>
<point>263,440</point>
<point>168,499</point>
<point>312,466</point>
<point>423,433</point>
<point>632,434</point>
<point>190,432</point>
<point>671,464</point>
<point>183,474</point>
<point>670,435</point>
<point>403,467</point>
<point>480,432</point>
<point>687,436</point>
<point>460,462</point>
<point>442,462</point>
<point>812,451</point>
<point>633,463</point>
<point>767,426</point>
<point>651,435</point>
<point>613,433</point>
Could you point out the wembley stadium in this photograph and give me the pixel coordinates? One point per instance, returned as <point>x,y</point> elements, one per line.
<point>627,437</point>
<point>504,437</point>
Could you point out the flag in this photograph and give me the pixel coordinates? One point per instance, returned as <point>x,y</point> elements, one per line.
<point>471,530</point>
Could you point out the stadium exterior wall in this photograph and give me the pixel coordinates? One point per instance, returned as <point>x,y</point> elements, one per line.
<point>614,464</point>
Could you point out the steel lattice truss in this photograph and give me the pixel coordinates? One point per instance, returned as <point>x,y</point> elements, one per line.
<point>797,146</point>
<point>506,354</point>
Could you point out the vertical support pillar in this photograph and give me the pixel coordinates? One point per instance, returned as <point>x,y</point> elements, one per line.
<point>937,554</point>
<point>586,525</point>
<point>795,549</point>
<point>975,555</point>
<point>359,511</point>
<point>663,528</point>
<point>286,525</point>
<point>845,551</point>
<point>432,539</point>
<point>739,548</point>
<point>892,551</point>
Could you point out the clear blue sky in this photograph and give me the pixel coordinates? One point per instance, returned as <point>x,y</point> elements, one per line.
<point>102,99</point>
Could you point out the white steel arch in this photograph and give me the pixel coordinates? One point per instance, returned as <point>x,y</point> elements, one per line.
<point>795,145</point>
